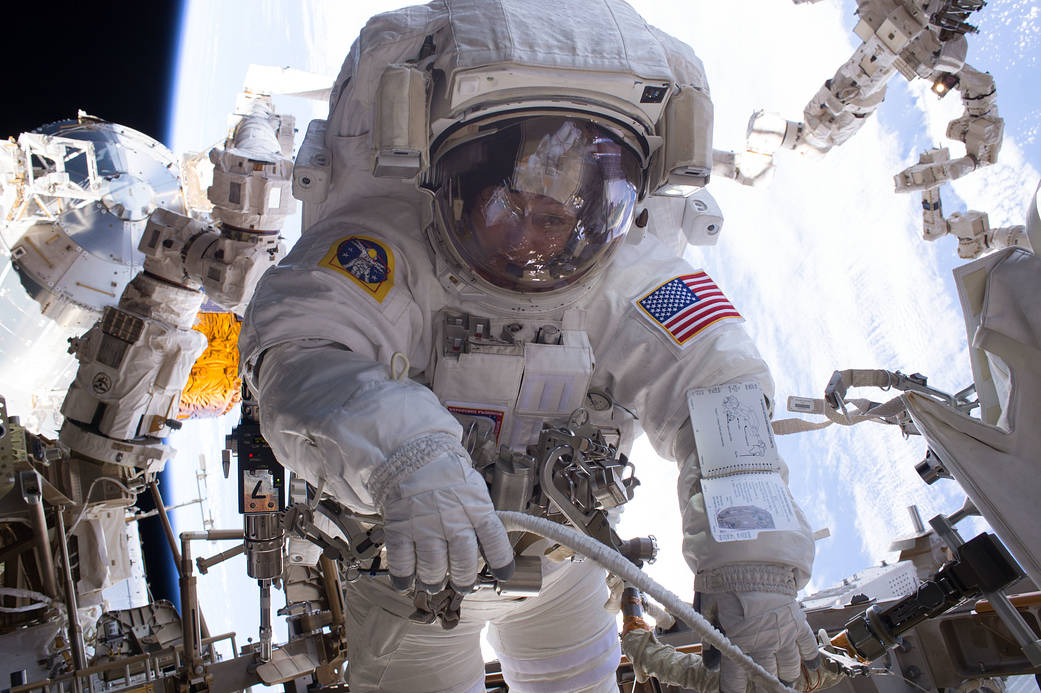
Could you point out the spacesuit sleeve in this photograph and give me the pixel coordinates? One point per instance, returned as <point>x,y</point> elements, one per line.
<point>737,566</point>
<point>340,283</point>
<point>317,347</point>
<point>651,372</point>
<point>334,416</point>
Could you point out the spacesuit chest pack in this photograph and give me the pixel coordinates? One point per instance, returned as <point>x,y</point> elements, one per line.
<point>502,379</point>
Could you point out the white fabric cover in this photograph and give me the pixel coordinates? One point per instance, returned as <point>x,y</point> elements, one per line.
<point>611,36</point>
<point>552,642</point>
<point>103,544</point>
<point>998,465</point>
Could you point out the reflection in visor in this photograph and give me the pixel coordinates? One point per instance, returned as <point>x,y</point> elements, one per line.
<point>537,204</point>
<point>516,231</point>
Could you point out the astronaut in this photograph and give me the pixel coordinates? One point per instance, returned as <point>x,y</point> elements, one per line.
<point>495,161</point>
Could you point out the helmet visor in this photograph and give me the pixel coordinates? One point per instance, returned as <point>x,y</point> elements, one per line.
<point>537,204</point>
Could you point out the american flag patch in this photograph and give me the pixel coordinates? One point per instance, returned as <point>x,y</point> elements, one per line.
<point>686,305</point>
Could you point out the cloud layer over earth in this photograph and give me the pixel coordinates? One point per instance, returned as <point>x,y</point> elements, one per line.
<point>826,263</point>
<point>828,266</point>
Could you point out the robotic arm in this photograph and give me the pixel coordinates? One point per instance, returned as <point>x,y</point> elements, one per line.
<point>979,128</point>
<point>135,361</point>
<point>971,228</point>
<point>916,41</point>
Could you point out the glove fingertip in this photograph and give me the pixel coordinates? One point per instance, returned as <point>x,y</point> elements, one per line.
<point>807,644</point>
<point>463,589</point>
<point>494,541</point>
<point>711,658</point>
<point>401,583</point>
<point>431,587</point>
<point>505,572</point>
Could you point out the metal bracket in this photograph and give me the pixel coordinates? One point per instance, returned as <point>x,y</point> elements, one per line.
<point>360,544</point>
<point>1010,616</point>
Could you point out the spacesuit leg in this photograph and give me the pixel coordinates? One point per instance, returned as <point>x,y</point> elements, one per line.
<point>387,652</point>
<point>563,640</point>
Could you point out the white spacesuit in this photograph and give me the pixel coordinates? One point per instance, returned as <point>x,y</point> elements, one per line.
<point>508,285</point>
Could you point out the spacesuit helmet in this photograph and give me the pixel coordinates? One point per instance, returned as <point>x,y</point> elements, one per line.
<point>450,96</point>
<point>537,203</point>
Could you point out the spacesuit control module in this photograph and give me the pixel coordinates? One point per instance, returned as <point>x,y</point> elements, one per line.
<point>480,295</point>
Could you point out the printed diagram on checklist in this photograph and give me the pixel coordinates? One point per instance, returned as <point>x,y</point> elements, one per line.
<point>744,492</point>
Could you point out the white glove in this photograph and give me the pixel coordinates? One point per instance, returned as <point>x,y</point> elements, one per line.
<point>769,627</point>
<point>437,517</point>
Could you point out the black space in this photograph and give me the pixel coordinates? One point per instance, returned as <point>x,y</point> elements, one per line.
<point>114,60</point>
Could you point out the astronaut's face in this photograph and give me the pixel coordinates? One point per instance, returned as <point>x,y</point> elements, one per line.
<point>534,205</point>
<point>518,229</point>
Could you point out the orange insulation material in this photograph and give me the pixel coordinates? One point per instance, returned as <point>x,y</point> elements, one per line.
<point>633,623</point>
<point>214,386</point>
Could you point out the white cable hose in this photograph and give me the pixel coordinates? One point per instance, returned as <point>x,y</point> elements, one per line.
<point>619,565</point>
<point>662,618</point>
<point>42,600</point>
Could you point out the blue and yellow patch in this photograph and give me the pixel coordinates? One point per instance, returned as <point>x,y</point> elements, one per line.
<point>366,261</point>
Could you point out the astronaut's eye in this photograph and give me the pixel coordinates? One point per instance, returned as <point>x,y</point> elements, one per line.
<point>552,223</point>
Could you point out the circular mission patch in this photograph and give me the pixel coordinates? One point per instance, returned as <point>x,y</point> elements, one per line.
<point>366,261</point>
